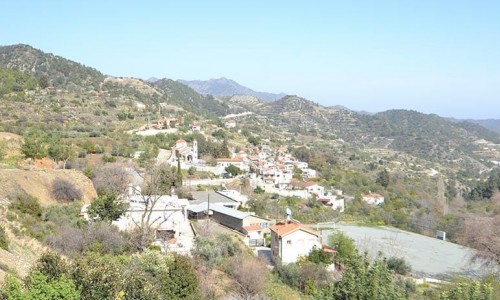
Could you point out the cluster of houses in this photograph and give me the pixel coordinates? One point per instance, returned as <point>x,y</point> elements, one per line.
<point>277,171</point>
<point>169,217</point>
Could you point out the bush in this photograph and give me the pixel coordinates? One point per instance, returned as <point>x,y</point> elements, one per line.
<point>51,265</point>
<point>4,242</point>
<point>63,190</point>
<point>98,237</point>
<point>27,204</point>
<point>399,265</point>
<point>214,250</point>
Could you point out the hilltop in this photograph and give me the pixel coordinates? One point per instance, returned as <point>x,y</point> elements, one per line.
<point>227,87</point>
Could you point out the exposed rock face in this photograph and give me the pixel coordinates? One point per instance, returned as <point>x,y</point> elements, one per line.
<point>38,183</point>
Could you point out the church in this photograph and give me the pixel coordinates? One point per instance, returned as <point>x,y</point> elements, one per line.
<point>184,152</point>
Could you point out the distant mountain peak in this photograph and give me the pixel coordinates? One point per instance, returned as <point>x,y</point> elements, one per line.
<point>227,87</point>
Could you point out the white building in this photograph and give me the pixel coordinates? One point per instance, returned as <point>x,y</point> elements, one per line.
<point>337,203</point>
<point>186,153</point>
<point>254,235</point>
<point>237,162</point>
<point>290,241</point>
<point>167,218</point>
<point>372,198</point>
<point>235,195</point>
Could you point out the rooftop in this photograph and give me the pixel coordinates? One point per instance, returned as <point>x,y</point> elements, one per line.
<point>220,209</point>
<point>286,228</point>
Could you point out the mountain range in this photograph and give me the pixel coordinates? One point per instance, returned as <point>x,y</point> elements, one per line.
<point>227,87</point>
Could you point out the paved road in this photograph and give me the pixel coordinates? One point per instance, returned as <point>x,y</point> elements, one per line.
<point>429,257</point>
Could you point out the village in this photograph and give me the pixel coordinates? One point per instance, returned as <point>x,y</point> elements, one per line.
<point>272,170</point>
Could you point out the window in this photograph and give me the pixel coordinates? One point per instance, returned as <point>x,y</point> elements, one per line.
<point>264,225</point>
<point>289,242</point>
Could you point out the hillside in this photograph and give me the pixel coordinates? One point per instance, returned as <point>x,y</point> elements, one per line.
<point>491,124</point>
<point>184,96</point>
<point>227,87</point>
<point>39,183</point>
<point>60,72</point>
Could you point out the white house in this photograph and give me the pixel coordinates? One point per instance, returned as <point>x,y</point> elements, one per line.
<point>373,198</point>
<point>313,187</point>
<point>237,161</point>
<point>167,217</point>
<point>254,235</point>
<point>337,203</point>
<point>290,240</point>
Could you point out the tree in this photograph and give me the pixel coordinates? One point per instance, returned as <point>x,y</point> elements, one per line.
<point>482,234</point>
<point>233,170</point>
<point>159,181</point>
<point>60,151</point>
<point>110,179</point>
<point>345,247</point>
<point>362,280</point>
<point>250,276</point>
<point>182,281</point>
<point>33,147</point>
<point>383,178</point>
<point>98,277</point>
<point>318,256</point>
<point>43,81</point>
<point>107,207</point>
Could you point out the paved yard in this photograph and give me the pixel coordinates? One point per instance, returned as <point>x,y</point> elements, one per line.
<point>429,257</point>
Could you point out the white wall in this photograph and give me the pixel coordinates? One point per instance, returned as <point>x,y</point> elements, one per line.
<point>301,244</point>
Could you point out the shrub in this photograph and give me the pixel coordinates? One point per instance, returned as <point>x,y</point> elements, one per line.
<point>51,265</point>
<point>4,242</point>
<point>399,265</point>
<point>27,204</point>
<point>214,250</point>
<point>63,190</point>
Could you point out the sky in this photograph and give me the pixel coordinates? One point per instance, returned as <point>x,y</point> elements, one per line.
<point>432,56</point>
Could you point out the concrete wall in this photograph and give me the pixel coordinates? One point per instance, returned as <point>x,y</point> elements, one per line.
<point>296,244</point>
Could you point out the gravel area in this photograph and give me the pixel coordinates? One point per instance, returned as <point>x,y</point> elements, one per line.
<point>429,257</point>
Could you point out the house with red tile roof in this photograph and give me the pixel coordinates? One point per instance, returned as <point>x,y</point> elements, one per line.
<point>291,240</point>
<point>373,198</point>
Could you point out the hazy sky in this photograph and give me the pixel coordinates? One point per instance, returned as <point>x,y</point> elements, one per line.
<point>434,56</point>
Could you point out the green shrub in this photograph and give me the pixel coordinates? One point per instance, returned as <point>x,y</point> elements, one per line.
<point>4,242</point>
<point>27,204</point>
<point>398,265</point>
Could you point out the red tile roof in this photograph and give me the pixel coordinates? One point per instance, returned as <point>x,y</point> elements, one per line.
<point>254,227</point>
<point>282,229</point>
<point>236,159</point>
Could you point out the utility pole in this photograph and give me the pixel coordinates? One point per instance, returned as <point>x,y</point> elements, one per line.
<point>208,205</point>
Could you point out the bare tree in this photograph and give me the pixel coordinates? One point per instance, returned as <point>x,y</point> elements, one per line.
<point>250,276</point>
<point>111,178</point>
<point>483,234</point>
<point>159,181</point>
